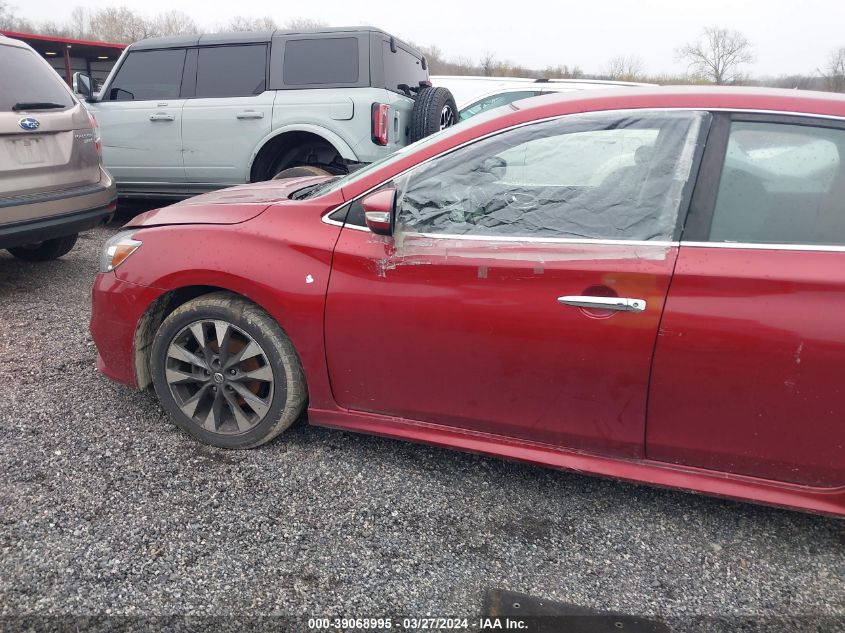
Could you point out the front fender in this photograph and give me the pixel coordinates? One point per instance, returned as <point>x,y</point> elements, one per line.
<point>280,261</point>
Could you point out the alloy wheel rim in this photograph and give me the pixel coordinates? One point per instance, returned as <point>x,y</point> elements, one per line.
<point>447,117</point>
<point>219,376</point>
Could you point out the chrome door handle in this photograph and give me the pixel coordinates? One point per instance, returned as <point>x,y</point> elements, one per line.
<point>161,116</point>
<point>623,304</point>
<point>250,114</point>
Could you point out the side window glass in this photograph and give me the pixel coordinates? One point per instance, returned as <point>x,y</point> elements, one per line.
<point>781,184</point>
<point>326,60</point>
<point>582,176</point>
<point>401,67</point>
<point>149,75</point>
<point>494,101</point>
<point>231,71</point>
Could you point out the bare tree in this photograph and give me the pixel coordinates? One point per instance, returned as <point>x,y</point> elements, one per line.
<point>488,64</point>
<point>834,75</point>
<point>10,21</point>
<point>77,24</point>
<point>304,24</point>
<point>119,24</point>
<point>54,28</point>
<point>243,23</point>
<point>173,23</point>
<point>434,58</point>
<point>625,68</point>
<point>718,55</point>
<point>562,72</point>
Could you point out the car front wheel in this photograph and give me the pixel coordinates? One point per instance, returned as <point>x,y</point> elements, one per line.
<point>226,372</point>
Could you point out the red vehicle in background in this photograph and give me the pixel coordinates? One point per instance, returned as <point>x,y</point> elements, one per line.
<point>646,284</point>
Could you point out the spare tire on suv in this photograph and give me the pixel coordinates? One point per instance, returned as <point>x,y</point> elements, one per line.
<point>434,110</point>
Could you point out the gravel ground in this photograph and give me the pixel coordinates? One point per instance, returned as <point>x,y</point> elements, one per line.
<point>107,508</point>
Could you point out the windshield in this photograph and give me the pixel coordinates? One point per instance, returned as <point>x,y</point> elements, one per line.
<point>495,101</point>
<point>27,82</point>
<point>338,183</point>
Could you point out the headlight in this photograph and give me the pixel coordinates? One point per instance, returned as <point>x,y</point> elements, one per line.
<point>117,249</point>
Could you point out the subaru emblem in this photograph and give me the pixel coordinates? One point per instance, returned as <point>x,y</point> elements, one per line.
<point>29,124</point>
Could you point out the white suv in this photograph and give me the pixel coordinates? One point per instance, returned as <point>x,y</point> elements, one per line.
<point>188,114</point>
<point>475,95</point>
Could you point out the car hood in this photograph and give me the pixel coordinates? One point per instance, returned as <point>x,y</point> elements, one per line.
<point>226,206</point>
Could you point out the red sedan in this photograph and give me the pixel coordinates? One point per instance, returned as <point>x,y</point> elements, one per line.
<point>648,285</point>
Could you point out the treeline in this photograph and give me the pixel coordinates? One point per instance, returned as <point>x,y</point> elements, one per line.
<point>718,56</point>
<point>122,25</point>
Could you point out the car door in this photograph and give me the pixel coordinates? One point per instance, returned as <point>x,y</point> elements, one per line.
<point>230,113</point>
<point>748,370</point>
<point>521,291</point>
<point>140,118</point>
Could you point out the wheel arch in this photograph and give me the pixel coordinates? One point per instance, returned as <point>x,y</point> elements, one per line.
<point>272,143</point>
<point>164,305</point>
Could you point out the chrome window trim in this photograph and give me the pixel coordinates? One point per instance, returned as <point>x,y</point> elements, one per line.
<point>831,248</point>
<point>551,240</point>
<point>805,115</point>
<point>515,239</point>
<point>325,216</point>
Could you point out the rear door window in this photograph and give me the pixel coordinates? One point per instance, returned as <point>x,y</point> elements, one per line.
<point>232,71</point>
<point>781,184</point>
<point>320,61</point>
<point>149,75</point>
<point>401,67</point>
<point>25,78</point>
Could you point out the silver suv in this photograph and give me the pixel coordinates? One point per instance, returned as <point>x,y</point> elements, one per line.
<point>188,114</point>
<point>51,183</point>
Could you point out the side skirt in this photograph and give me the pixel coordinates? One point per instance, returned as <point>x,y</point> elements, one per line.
<point>689,479</point>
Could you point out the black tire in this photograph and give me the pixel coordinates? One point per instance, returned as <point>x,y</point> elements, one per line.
<point>286,387</point>
<point>300,172</point>
<point>46,250</point>
<point>434,109</point>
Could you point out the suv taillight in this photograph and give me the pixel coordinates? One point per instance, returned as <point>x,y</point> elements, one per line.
<point>95,127</point>
<point>381,123</point>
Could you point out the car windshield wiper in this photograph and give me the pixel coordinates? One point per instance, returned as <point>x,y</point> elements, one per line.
<point>312,190</point>
<point>37,105</point>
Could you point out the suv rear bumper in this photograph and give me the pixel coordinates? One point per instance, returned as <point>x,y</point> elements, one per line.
<point>30,219</point>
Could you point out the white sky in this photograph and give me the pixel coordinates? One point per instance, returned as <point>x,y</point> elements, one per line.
<point>790,36</point>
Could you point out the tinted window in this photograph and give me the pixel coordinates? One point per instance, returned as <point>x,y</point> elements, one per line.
<point>401,68</point>
<point>25,78</point>
<point>146,75</point>
<point>781,184</point>
<point>494,101</point>
<point>321,61</point>
<point>584,176</point>
<point>231,71</point>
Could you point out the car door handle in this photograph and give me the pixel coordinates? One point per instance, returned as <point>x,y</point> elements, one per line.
<point>250,114</point>
<point>161,116</point>
<point>623,304</point>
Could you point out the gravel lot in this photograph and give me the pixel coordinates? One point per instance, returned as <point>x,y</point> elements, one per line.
<point>107,508</point>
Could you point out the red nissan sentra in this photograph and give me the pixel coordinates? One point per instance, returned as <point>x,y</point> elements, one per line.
<point>648,285</point>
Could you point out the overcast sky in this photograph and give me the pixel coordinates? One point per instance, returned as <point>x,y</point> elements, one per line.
<point>789,36</point>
